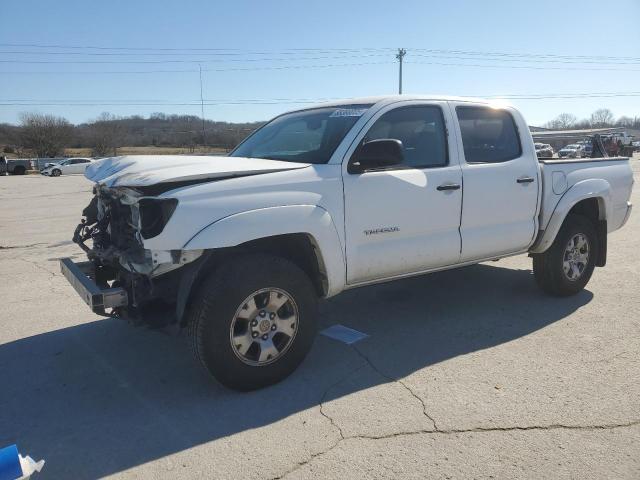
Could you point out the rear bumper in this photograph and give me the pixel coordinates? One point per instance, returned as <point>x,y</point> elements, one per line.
<point>81,276</point>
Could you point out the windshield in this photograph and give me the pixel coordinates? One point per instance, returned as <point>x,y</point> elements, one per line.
<point>307,136</point>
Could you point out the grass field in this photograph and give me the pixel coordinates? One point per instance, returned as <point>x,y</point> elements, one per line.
<point>149,150</point>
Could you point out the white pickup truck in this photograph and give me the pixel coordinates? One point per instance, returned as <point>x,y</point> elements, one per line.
<point>240,248</point>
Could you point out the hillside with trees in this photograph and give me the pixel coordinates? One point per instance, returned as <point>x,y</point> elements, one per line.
<point>601,118</point>
<point>48,136</point>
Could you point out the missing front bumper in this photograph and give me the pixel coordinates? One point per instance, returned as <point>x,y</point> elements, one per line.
<point>81,276</point>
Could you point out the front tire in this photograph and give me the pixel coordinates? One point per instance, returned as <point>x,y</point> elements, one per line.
<point>55,172</point>
<point>566,267</point>
<point>253,321</point>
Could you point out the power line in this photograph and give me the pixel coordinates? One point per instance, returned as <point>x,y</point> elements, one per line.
<point>435,54</point>
<point>294,55</point>
<point>98,62</point>
<point>235,69</point>
<point>295,51</point>
<point>524,54</point>
<point>220,51</point>
<point>520,60</point>
<point>528,67</point>
<point>283,101</point>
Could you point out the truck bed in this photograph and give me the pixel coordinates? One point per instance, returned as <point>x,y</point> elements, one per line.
<point>559,175</point>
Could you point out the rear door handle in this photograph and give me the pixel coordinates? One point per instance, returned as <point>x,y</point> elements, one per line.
<point>448,186</point>
<point>525,180</point>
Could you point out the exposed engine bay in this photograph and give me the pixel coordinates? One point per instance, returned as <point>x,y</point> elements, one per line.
<point>116,222</point>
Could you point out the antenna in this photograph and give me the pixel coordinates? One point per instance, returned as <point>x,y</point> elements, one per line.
<point>204,141</point>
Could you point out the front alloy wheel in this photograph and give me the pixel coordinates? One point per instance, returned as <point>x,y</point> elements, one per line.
<point>253,320</point>
<point>264,326</point>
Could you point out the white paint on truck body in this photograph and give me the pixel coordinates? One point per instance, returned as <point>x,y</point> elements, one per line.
<point>378,225</point>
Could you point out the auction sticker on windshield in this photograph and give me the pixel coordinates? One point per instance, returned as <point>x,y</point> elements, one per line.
<point>348,112</point>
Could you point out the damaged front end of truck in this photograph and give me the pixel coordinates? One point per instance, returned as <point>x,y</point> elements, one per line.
<point>122,278</point>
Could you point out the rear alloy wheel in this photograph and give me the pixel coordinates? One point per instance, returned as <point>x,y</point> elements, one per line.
<point>55,172</point>
<point>566,267</point>
<point>253,320</point>
<point>576,257</point>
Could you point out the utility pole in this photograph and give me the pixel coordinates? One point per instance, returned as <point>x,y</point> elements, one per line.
<point>401,53</point>
<point>204,142</point>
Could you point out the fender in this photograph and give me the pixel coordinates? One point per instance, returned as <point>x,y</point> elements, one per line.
<point>250,225</point>
<point>592,188</point>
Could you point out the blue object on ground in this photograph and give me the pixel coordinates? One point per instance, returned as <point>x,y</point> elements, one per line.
<point>10,468</point>
<point>343,334</point>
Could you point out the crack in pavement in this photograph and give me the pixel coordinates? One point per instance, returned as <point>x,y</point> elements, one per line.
<point>12,247</point>
<point>391,379</point>
<point>331,420</point>
<point>550,427</point>
<point>436,430</point>
<point>36,264</point>
<point>515,428</point>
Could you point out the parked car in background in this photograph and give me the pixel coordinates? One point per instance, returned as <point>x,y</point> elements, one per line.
<point>51,164</point>
<point>544,150</point>
<point>66,167</point>
<point>17,167</point>
<point>571,151</point>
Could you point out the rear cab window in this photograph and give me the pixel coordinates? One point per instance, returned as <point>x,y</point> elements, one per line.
<point>488,135</point>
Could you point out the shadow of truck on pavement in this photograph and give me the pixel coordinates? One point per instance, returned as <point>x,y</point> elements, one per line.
<point>103,397</point>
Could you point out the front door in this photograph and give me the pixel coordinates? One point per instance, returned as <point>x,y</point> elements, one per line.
<point>405,218</point>
<point>501,183</point>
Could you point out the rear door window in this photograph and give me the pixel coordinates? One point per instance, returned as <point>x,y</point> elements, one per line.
<point>488,135</point>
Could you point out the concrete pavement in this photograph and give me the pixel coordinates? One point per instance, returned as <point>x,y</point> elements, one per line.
<point>466,373</point>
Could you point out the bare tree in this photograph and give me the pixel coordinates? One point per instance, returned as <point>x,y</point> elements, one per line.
<point>47,135</point>
<point>602,117</point>
<point>625,121</point>
<point>106,135</point>
<point>564,121</point>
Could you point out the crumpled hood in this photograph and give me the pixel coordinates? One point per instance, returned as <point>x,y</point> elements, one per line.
<point>145,170</point>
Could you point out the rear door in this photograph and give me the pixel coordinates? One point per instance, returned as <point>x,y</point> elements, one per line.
<point>405,218</point>
<point>83,163</point>
<point>501,182</point>
<point>66,167</point>
<point>77,165</point>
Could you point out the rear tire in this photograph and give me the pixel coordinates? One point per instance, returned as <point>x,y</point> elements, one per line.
<point>253,321</point>
<point>566,267</point>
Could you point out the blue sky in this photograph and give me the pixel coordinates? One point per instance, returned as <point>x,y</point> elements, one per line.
<point>551,45</point>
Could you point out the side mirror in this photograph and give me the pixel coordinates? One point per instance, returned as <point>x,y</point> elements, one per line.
<point>375,155</point>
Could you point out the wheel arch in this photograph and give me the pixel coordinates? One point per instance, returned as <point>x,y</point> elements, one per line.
<point>303,234</point>
<point>590,198</point>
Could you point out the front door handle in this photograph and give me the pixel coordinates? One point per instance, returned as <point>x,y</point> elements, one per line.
<point>448,186</point>
<point>525,180</point>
